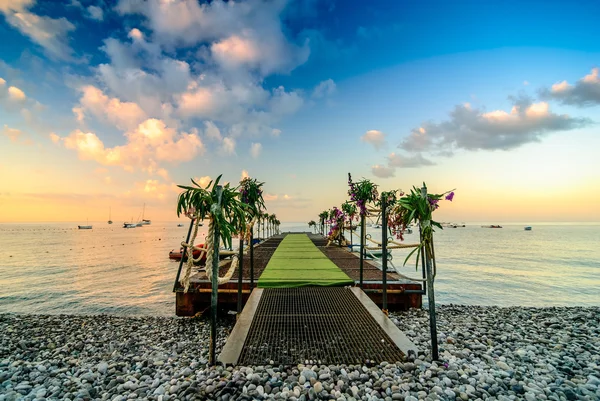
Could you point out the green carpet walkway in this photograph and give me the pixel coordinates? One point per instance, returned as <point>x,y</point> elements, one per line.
<point>297,262</point>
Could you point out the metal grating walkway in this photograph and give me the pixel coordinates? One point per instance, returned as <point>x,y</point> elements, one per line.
<point>322,325</point>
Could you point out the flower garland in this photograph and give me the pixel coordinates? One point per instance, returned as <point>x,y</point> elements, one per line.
<point>362,192</point>
<point>415,208</point>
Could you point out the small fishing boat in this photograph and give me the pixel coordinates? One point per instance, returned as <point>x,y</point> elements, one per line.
<point>527,228</point>
<point>180,225</point>
<point>492,226</point>
<point>84,227</point>
<point>129,225</point>
<point>177,255</point>
<point>376,225</point>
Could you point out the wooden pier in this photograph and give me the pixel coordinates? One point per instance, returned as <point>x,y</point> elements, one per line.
<point>401,294</point>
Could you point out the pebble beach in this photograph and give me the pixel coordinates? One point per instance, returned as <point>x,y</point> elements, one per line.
<point>486,353</point>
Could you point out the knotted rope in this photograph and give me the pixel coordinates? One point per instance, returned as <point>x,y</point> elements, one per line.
<point>208,249</point>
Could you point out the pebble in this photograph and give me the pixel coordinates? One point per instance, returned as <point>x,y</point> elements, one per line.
<point>485,353</point>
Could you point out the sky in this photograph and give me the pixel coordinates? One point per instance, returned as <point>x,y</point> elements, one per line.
<point>109,105</point>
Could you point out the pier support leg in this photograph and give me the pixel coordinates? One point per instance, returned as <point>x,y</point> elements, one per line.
<point>215,287</point>
<point>362,248</point>
<point>240,273</point>
<point>430,293</point>
<point>251,259</point>
<point>384,260</point>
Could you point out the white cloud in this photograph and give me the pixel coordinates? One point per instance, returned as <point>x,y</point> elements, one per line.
<point>324,89</point>
<point>212,131</point>
<point>396,160</point>
<point>96,13</point>
<point>136,34</point>
<point>382,171</point>
<point>375,138</point>
<point>255,150</point>
<point>54,137</point>
<point>242,33</point>
<point>276,132</point>
<point>203,181</point>
<point>244,175</point>
<point>147,146</point>
<point>50,33</point>
<point>12,133</point>
<point>16,94</point>
<point>470,128</point>
<point>585,92</point>
<point>123,115</point>
<point>229,146</point>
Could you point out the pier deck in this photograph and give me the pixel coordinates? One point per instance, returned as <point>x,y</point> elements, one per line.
<point>401,294</point>
<point>314,325</point>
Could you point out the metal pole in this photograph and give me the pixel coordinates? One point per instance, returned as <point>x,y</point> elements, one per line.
<point>430,295</point>
<point>187,241</point>
<point>215,283</point>
<point>251,259</point>
<point>362,248</point>
<point>384,249</point>
<point>240,273</point>
<point>351,246</point>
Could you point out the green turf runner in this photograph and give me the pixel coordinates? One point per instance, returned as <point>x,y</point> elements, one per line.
<point>297,262</point>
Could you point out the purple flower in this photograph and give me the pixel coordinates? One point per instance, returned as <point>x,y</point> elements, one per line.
<point>450,196</point>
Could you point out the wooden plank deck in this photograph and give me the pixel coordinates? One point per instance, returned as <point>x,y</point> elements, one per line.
<point>399,296</point>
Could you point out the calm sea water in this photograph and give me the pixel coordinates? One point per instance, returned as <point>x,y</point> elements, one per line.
<point>56,268</point>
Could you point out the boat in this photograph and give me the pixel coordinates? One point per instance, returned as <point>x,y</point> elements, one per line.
<point>527,228</point>
<point>129,225</point>
<point>109,219</point>
<point>84,227</point>
<point>144,222</point>
<point>376,225</point>
<point>408,230</point>
<point>180,225</point>
<point>177,255</point>
<point>492,226</point>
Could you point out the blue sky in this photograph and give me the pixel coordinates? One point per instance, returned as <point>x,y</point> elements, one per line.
<point>113,103</point>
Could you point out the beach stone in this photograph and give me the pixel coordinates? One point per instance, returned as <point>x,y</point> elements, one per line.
<point>502,365</point>
<point>318,387</point>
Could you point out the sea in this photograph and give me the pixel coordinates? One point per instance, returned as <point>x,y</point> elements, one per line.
<point>55,268</point>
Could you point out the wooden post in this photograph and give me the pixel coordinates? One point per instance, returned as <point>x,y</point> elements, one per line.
<point>362,248</point>
<point>251,258</point>
<point>430,294</point>
<point>184,249</point>
<point>384,249</point>
<point>240,273</point>
<point>215,284</point>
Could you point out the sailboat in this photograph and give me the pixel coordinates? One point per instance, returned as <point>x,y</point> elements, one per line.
<point>86,227</point>
<point>144,222</point>
<point>109,219</point>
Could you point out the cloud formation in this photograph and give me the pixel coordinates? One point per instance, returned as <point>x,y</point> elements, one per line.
<point>375,138</point>
<point>396,160</point>
<point>324,89</point>
<point>12,133</point>
<point>123,115</point>
<point>473,129</point>
<point>585,92</point>
<point>242,34</point>
<point>382,171</point>
<point>50,33</point>
<point>255,150</point>
<point>149,144</point>
<point>96,13</point>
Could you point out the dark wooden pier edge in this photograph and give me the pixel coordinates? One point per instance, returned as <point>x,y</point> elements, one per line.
<point>401,294</point>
